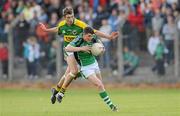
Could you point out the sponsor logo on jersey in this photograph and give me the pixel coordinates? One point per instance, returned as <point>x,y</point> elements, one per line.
<point>68,38</point>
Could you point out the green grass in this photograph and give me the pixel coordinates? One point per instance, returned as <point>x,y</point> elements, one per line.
<point>86,102</point>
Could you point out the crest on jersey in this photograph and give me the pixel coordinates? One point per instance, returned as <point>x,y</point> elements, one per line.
<point>74,32</point>
<point>63,31</point>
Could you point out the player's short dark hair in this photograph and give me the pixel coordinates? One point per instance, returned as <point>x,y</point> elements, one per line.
<point>68,11</point>
<point>88,30</point>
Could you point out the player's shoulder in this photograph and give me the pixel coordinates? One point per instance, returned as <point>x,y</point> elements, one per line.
<point>61,23</point>
<point>78,39</point>
<point>80,23</point>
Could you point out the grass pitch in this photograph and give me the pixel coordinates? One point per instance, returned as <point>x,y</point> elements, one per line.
<point>86,102</point>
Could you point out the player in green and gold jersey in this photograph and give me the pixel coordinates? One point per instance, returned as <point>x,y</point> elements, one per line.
<point>70,27</point>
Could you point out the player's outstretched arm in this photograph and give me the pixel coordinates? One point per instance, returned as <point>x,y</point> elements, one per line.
<point>70,48</point>
<point>112,36</point>
<point>44,28</point>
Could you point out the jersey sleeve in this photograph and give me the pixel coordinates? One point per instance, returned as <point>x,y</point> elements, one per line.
<point>82,24</point>
<point>59,25</point>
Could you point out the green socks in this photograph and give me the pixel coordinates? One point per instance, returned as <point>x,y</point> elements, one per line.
<point>106,99</point>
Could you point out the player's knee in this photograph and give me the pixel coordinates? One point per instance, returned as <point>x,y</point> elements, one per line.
<point>74,71</point>
<point>100,86</point>
<point>72,75</point>
<point>63,77</point>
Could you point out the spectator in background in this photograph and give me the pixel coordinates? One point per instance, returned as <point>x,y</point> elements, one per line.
<point>85,13</point>
<point>157,21</point>
<point>4,59</point>
<point>127,32</point>
<point>26,54</point>
<point>82,17</point>
<point>36,8</point>
<point>33,58</point>
<point>99,15</point>
<point>51,68</point>
<point>33,24</point>
<point>53,19</point>
<point>154,40</point>
<point>113,20</point>
<point>54,6</point>
<point>52,23</point>
<point>20,7</point>
<point>177,19</point>
<point>136,19</point>
<point>21,34</point>
<point>2,4</point>
<point>106,56</point>
<point>43,17</point>
<point>169,31</point>
<point>28,11</point>
<point>156,4</point>
<point>159,58</point>
<point>43,40</point>
<point>89,17</point>
<point>123,5</point>
<point>148,14</point>
<point>166,11</point>
<point>131,62</point>
<point>2,26</point>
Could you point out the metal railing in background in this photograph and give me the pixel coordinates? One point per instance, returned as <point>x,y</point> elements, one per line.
<point>176,55</point>
<point>11,48</point>
<point>59,54</point>
<point>120,56</point>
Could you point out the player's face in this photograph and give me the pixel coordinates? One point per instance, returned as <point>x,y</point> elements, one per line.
<point>69,19</point>
<point>88,37</point>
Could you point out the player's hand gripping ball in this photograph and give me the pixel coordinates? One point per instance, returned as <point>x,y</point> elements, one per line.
<point>97,49</point>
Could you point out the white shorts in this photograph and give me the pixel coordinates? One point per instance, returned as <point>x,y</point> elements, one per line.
<point>89,70</point>
<point>70,53</point>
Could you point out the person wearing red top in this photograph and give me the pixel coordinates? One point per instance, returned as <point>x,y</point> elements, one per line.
<point>136,20</point>
<point>4,59</point>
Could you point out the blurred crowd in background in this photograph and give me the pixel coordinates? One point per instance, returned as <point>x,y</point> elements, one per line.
<point>146,26</point>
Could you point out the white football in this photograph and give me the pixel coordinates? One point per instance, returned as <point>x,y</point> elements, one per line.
<point>97,49</point>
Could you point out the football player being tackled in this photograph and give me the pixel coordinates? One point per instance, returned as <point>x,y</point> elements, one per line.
<point>70,27</point>
<point>88,65</point>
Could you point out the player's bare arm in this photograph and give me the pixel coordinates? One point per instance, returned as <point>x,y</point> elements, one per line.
<point>44,28</point>
<point>112,36</point>
<point>70,48</point>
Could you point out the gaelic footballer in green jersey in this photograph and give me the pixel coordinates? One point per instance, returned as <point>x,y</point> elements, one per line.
<point>89,66</point>
<point>86,57</point>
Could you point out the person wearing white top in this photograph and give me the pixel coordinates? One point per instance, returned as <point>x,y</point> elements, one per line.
<point>153,42</point>
<point>33,57</point>
<point>169,31</point>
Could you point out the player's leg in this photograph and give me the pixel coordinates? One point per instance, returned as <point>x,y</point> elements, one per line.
<point>56,89</point>
<point>104,95</point>
<point>72,64</point>
<point>61,81</point>
<point>102,92</point>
